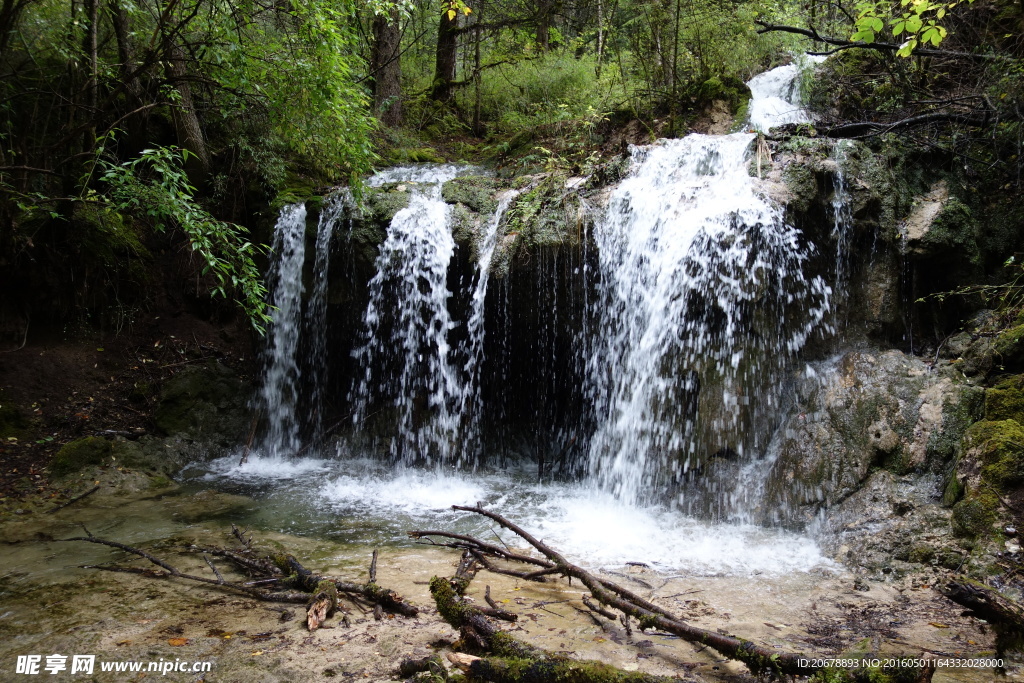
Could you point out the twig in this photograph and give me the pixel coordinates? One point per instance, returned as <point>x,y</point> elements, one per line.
<point>77,498</point>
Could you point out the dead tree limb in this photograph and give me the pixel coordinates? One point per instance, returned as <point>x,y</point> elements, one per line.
<point>1005,615</point>
<point>760,660</point>
<point>320,593</point>
<point>841,44</point>
<point>507,659</point>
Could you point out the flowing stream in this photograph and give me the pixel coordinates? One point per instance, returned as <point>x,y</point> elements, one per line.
<point>697,304</point>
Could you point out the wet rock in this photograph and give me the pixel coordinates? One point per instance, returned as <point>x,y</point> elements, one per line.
<point>869,410</point>
<point>205,403</point>
<point>477,193</point>
<point>891,524</point>
<point>76,455</point>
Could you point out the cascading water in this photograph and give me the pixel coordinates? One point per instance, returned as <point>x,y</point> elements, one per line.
<point>406,358</point>
<point>336,208</point>
<point>703,301</point>
<point>279,395</point>
<point>696,303</point>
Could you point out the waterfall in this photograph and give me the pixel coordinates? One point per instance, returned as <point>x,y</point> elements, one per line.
<point>409,368</point>
<point>487,243</point>
<point>335,209</point>
<point>702,302</point>
<point>278,396</point>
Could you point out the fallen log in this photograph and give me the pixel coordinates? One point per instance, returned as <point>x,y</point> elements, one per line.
<point>508,659</point>
<point>1005,615</point>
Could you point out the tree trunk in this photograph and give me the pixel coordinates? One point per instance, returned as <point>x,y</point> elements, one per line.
<point>545,15</point>
<point>446,55</point>
<point>186,122</point>
<point>135,125</point>
<point>385,66</point>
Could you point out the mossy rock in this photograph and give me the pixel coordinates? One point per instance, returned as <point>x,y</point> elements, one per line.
<point>974,515</point>
<point>74,456</point>
<point>204,403</point>
<point>802,184</point>
<point>426,155</point>
<point>465,226</point>
<point>475,192</point>
<point>954,232</point>
<point>1009,348</point>
<point>727,88</point>
<point>1005,401</point>
<point>380,204</point>
<point>1000,448</point>
<point>103,237</point>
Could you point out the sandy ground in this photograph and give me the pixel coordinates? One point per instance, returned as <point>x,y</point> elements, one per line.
<point>49,605</point>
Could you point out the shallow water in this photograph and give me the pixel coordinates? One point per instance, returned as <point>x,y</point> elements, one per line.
<point>363,501</point>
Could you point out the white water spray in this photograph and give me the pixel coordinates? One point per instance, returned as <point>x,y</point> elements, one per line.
<point>279,395</point>
<point>703,301</point>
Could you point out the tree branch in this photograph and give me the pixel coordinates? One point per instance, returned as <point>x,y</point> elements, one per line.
<point>880,47</point>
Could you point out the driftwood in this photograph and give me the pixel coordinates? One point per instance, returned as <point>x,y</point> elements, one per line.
<point>1005,615</point>
<point>506,658</point>
<point>319,593</point>
<point>476,629</point>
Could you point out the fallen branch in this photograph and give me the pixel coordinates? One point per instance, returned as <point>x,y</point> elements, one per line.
<point>842,44</point>
<point>1005,615</point>
<point>320,593</point>
<point>759,659</point>
<point>74,500</point>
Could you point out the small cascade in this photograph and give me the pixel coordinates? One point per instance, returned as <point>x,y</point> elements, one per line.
<point>842,219</point>
<point>775,96</point>
<point>279,394</point>
<point>409,368</point>
<point>703,303</point>
<point>487,243</point>
<point>335,209</point>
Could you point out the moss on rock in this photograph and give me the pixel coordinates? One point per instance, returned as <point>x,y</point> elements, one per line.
<point>204,403</point>
<point>475,192</point>
<point>1009,347</point>
<point>999,446</point>
<point>76,455</point>
<point>1005,401</point>
<point>973,516</point>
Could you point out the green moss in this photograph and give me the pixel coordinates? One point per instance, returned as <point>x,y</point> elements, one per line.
<point>802,184</point>
<point>204,402</point>
<point>955,232</point>
<point>476,192</point>
<point>727,88</point>
<point>380,204</point>
<point>104,238</point>
<point>1009,347</point>
<point>546,216</point>
<point>160,482</point>
<point>921,554</point>
<point>1000,447</point>
<point>957,416</point>
<point>464,225</point>
<point>72,457</point>
<point>326,589</point>
<point>973,516</point>
<point>420,155</point>
<point>446,599</point>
